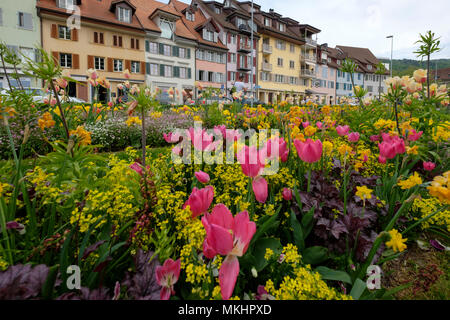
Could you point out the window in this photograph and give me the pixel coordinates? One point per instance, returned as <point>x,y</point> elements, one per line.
<point>324,72</point>
<point>182,52</point>
<point>117,41</point>
<point>135,44</point>
<point>337,85</point>
<point>232,76</point>
<point>166,28</point>
<point>99,63</point>
<point>153,47</point>
<point>135,67</point>
<point>240,22</point>
<point>331,84</point>
<point>118,65</point>
<point>124,14</point>
<point>66,4</point>
<point>208,35</point>
<point>64,32</point>
<point>369,66</point>
<point>189,16</point>
<point>292,80</point>
<point>280,45</point>
<point>168,71</point>
<point>153,69</point>
<point>201,75</point>
<point>233,57</point>
<point>292,64</point>
<point>233,39</point>
<point>217,10</point>
<point>25,21</point>
<point>183,73</point>
<point>167,50</point>
<point>280,62</point>
<point>370,88</point>
<point>282,27</point>
<point>28,53</point>
<point>267,22</point>
<point>65,60</point>
<point>98,37</point>
<point>292,48</point>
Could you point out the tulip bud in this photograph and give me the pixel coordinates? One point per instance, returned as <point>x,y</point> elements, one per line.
<point>26,134</point>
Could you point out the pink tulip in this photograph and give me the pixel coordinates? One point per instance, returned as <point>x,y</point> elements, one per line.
<point>381,159</point>
<point>429,166</point>
<point>251,160</point>
<point>309,151</point>
<point>110,104</point>
<point>202,177</point>
<point>319,125</point>
<point>287,194</point>
<point>138,168</point>
<point>353,137</point>
<point>260,189</point>
<point>200,200</point>
<point>171,137</point>
<point>228,236</point>
<point>166,276</point>
<point>221,129</point>
<point>342,130</point>
<point>387,150</point>
<point>62,82</point>
<point>283,151</point>
<point>200,139</point>
<point>399,145</point>
<point>414,136</point>
<point>305,124</point>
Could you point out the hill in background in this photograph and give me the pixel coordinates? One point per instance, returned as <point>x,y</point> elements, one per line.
<point>407,66</point>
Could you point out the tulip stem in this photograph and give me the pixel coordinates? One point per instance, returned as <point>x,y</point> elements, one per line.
<point>309,178</point>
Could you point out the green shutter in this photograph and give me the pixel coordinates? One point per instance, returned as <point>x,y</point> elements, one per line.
<point>176,72</point>
<point>147,46</point>
<point>188,54</point>
<point>147,68</point>
<point>189,71</point>
<point>161,48</point>
<point>161,70</point>
<point>175,51</point>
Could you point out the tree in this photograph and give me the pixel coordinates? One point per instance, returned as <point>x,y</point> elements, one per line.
<point>428,45</point>
<point>381,70</point>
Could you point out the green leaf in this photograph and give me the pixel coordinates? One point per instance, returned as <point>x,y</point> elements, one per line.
<point>260,251</point>
<point>315,255</point>
<point>308,222</point>
<point>297,232</point>
<point>358,288</point>
<point>263,228</point>
<point>47,288</point>
<point>335,275</point>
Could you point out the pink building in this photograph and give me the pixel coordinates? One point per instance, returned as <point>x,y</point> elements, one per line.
<point>324,86</point>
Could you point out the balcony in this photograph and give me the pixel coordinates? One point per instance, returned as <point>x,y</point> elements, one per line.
<point>266,67</point>
<point>308,58</point>
<point>267,49</point>
<point>243,67</point>
<point>244,47</point>
<point>310,42</point>
<point>244,29</point>
<point>306,73</point>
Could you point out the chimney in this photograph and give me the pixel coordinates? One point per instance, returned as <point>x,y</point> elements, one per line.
<point>271,11</point>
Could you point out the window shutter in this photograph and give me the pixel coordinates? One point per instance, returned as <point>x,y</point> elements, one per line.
<point>142,67</point>
<point>229,37</point>
<point>1,17</point>
<point>54,31</point>
<point>128,65</point>
<point>189,73</point>
<point>147,67</point>
<point>204,34</point>
<point>254,79</point>
<point>74,34</point>
<point>175,51</point>
<point>216,37</point>
<point>254,61</point>
<point>161,70</point>
<point>101,38</point>
<point>110,65</point>
<point>55,55</point>
<point>229,56</point>
<point>115,40</point>
<point>147,46</point>
<point>96,37</point>
<point>137,44</point>
<point>90,62</point>
<point>176,72</point>
<point>188,54</point>
<point>28,21</point>
<point>161,48</point>
<point>120,41</point>
<point>229,75</point>
<point>132,43</point>
<point>75,61</point>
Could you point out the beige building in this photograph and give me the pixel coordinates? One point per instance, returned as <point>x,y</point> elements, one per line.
<point>111,40</point>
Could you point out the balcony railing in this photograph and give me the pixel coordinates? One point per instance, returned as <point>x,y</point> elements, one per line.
<point>267,48</point>
<point>310,41</point>
<point>266,66</point>
<point>308,73</point>
<point>308,57</point>
<point>244,47</point>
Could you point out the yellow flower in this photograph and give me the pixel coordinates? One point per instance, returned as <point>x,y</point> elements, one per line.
<point>411,182</point>
<point>268,254</point>
<point>156,115</point>
<point>46,121</point>
<point>310,131</point>
<point>133,120</point>
<point>412,150</point>
<point>396,242</point>
<point>364,192</point>
<point>83,135</point>
<point>327,147</point>
<point>440,187</point>
<point>345,149</point>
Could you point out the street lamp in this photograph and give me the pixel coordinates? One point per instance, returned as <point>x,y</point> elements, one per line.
<point>392,49</point>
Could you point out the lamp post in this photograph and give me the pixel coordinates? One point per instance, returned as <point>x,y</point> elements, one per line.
<point>392,49</point>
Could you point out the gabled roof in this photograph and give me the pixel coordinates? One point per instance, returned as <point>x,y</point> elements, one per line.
<point>362,56</point>
<point>112,7</point>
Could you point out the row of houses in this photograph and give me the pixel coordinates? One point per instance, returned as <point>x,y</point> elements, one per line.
<point>176,44</point>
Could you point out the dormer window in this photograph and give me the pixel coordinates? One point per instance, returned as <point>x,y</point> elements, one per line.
<point>209,35</point>
<point>189,16</point>
<point>65,4</point>
<point>267,22</point>
<point>124,14</point>
<point>241,22</point>
<point>217,10</point>
<point>282,27</point>
<point>369,67</point>
<point>167,28</point>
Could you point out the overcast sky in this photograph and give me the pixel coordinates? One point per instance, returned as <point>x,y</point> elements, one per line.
<point>366,23</point>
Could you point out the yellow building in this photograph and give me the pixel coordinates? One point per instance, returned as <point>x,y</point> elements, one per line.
<point>110,40</point>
